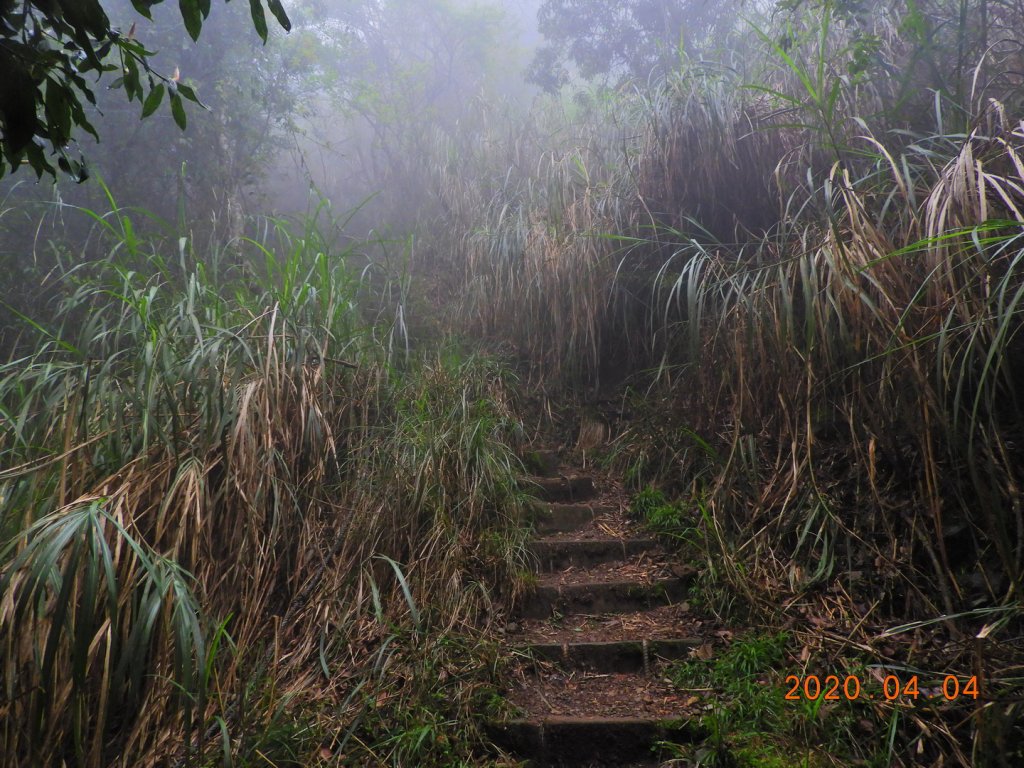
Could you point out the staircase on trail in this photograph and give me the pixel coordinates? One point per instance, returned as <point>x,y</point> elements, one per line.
<point>594,634</point>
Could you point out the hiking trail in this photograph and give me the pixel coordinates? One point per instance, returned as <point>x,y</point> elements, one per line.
<point>605,617</point>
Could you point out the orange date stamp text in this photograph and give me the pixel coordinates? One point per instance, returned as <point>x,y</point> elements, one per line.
<point>849,688</point>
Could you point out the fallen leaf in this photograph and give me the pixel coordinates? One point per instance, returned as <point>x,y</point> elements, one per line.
<point>703,652</point>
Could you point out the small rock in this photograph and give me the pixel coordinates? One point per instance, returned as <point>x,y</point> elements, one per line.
<point>683,570</point>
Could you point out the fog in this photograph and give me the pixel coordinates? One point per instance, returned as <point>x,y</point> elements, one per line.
<point>349,106</point>
<point>363,109</point>
<point>301,301</point>
<point>344,106</point>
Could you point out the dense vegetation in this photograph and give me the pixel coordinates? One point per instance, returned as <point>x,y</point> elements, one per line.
<point>49,52</point>
<point>238,467</point>
<point>259,489</point>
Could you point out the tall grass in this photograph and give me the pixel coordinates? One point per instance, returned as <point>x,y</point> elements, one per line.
<point>248,521</point>
<point>811,251</point>
<point>217,488</point>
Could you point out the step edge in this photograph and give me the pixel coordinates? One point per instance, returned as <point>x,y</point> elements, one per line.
<point>588,586</point>
<point>634,541</point>
<point>691,642</point>
<point>672,722</point>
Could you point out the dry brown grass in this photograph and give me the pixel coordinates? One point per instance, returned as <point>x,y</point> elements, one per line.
<point>819,276</point>
<point>231,513</point>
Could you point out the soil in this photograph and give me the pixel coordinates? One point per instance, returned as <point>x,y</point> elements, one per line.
<point>664,623</point>
<point>558,693</point>
<point>645,568</point>
<point>539,689</point>
<point>609,525</point>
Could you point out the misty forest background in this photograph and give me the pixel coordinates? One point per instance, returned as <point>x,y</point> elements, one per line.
<point>264,380</point>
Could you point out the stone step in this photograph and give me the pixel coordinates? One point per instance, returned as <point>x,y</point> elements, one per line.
<point>558,554</point>
<point>541,462</point>
<point>600,702</point>
<point>619,656</point>
<point>575,741</point>
<point>562,518</point>
<point>668,621</point>
<point>602,597</point>
<point>563,488</point>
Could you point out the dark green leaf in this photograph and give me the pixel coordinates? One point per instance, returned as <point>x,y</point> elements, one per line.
<point>156,96</point>
<point>36,159</point>
<point>84,88</point>
<point>90,129</point>
<point>259,18</point>
<point>132,86</point>
<point>73,168</point>
<point>178,110</point>
<point>188,93</point>
<point>96,60</point>
<point>143,6</point>
<point>97,20</point>
<point>85,16</point>
<point>75,106</point>
<point>18,109</point>
<point>133,46</point>
<point>192,16</point>
<point>58,115</point>
<point>278,10</point>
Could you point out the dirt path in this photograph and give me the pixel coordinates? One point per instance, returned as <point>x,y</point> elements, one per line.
<point>607,614</point>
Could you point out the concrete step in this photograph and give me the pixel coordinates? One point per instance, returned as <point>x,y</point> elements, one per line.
<point>614,657</point>
<point>576,741</point>
<point>562,518</point>
<point>559,554</point>
<point>603,597</point>
<point>563,488</point>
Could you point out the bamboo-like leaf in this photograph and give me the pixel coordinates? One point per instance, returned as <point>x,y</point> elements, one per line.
<point>178,111</point>
<point>277,9</point>
<point>404,588</point>
<point>259,18</point>
<point>153,100</point>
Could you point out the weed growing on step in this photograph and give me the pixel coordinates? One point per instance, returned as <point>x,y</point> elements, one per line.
<point>675,522</point>
<point>658,514</point>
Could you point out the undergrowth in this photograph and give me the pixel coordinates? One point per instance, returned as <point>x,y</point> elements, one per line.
<point>792,276</point>
<point>247,514</point>
<point>243,521</point>
<point>749,723</point>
